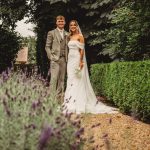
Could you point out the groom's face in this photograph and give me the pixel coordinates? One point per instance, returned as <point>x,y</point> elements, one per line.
<point>60,23</point>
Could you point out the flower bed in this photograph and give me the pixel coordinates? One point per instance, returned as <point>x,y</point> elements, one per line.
<point>30,118</point>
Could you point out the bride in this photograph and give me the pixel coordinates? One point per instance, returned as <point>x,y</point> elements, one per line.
<point>79,95</point>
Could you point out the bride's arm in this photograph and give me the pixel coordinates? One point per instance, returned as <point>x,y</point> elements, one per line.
<point>81,51</point>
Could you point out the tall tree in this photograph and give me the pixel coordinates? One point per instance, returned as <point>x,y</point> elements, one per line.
<point>12,11</point>
<point>128,37</point>
<point>9,46</point>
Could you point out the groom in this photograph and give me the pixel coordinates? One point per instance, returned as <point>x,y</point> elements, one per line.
<point>57,51</point>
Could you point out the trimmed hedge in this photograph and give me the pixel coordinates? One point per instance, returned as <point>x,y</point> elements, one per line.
<point>127,84</point>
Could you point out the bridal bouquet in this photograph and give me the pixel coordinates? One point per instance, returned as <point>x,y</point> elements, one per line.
<point>78,72</point>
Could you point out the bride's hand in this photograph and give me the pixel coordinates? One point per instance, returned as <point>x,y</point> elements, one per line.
<point>81,64</point>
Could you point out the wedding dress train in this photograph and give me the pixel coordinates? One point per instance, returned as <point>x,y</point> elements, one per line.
<point>79,95</point>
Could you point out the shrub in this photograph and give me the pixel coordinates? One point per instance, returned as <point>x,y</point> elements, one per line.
<point>9,46</point>
<point>127,84</point>
<point>30,118</point>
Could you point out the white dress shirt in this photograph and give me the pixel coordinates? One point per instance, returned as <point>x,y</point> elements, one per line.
<point>61,32</point>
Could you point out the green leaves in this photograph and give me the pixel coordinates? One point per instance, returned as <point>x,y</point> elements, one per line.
<point>56,1</point>
<point>10,45</point>
<point>12,11</point>
<point>31,43</point>
<point>127,37</point>
<point>127,84</point>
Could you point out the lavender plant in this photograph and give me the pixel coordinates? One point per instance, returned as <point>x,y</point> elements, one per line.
<point>30,118</point>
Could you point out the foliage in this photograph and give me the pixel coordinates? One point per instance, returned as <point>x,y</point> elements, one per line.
<point>9,46</point>
<point>127,84</point>
<point>105,25</point>
<point>99,14</point>
<point>30,42</point>
<point>43,14</point>
<point>30,118</point>
<point>128,37</point>
<point>12,11</point>
<point>32,50</point>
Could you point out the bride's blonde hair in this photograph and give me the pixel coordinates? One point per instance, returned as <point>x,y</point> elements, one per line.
<point>76,23</point>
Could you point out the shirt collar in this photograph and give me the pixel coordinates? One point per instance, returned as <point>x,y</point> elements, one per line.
<point>60,29</point>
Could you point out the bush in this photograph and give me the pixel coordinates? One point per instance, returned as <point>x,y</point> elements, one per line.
<point>30,118</point>
<point>9,46</point>
<point>127,84</point>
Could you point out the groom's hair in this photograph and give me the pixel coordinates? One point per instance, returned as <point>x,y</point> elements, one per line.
<point>60,18</point>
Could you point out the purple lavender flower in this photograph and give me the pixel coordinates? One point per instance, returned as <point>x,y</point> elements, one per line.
<point>58,120</point>
<point>79,132</point>
<point>4,102</point>
<point>33,126</point>
<point>50,112</point>
<point>45,137</point>
<point>8,111</point>
<point>5,76</point>
<point>95,125</point>
<point>77,117</point>
<point>63,124</point>
<point>74,146</point>
<point>34,105</point>
<point>6,108</point>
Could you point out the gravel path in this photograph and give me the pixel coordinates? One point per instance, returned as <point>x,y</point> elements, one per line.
<point>115,132</point>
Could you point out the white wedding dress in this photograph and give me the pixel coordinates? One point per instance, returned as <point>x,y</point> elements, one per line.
<point>79,95</point>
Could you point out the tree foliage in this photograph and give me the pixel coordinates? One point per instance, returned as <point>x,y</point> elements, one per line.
<point>12,11</point>
<point>30,42</point>
<point>9,46</point>
<point>114,29</point>
<point>89,13</point>
<point>129,34</point>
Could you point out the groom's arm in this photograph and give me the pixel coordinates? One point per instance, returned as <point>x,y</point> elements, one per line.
<point>48,46</point>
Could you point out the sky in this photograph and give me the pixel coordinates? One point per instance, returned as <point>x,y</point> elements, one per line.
<point>24,29</point>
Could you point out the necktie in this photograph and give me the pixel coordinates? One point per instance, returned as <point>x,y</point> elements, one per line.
<point>61,33</point>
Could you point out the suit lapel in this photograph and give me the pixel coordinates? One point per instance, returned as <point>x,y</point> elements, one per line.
<point>58,35</point>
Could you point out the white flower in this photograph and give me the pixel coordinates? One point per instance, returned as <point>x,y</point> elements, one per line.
<point>78,72</point>
<point>66,34</point>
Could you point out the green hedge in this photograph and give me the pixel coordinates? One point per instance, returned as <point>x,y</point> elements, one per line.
<point>127,84</point>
